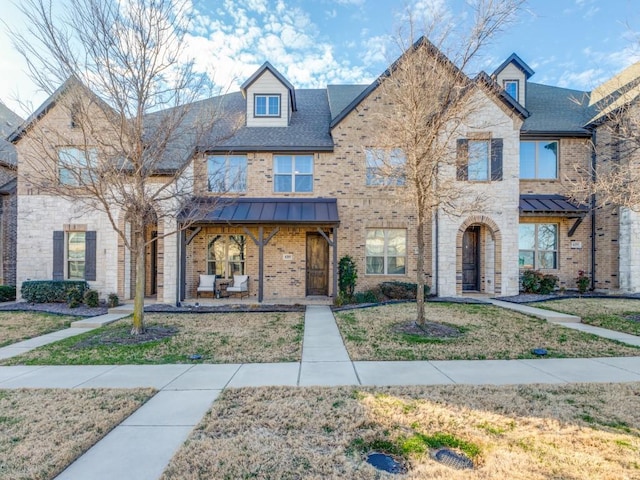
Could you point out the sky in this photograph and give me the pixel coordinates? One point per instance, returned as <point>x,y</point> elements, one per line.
<point>575,44</point>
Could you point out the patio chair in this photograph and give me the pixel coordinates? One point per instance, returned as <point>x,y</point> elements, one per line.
<point>207,284</point>
<point>240,286</point>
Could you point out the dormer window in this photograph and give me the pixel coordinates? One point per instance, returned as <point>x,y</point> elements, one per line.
<point>267,105</point>
<point>511,87</point>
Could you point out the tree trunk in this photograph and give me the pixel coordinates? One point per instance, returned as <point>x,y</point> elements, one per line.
<point>138,301</point>
<point>420,268</point>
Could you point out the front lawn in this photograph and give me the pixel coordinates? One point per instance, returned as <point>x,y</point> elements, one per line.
<point>621,315</point>
<point>18,326</point>
<point>484,332</point>
<point>528,432</point>
<point>176,338</point>
<point>43,431</point>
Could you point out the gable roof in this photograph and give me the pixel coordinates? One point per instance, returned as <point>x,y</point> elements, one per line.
<point>556,111</point>
<point>258,73</point>
<point>518,62</point>
<point>340,96</point>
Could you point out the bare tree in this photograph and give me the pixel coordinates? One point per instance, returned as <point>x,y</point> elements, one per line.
<point>129,88</point>
<point>430,96</point>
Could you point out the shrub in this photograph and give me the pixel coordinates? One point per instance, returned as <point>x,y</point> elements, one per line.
<point>46,291</point>
<point>583,281</point>
<point>368,296</point>
<point>91,298</point>
<point>7,293</point>
<point>75,296</point>
<point>347,276</point>
<point>534,281</point>
<point>113,300</point>
<point>401,290</point>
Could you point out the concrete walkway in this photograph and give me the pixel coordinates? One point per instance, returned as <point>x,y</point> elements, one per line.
<point>141,447</point>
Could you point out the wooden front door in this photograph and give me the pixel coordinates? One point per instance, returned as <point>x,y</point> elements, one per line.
<point>471,259</point>
<point>317,265</point>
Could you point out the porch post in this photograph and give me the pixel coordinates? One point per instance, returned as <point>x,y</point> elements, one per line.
<point>335,262</point>
<point>260,262</point>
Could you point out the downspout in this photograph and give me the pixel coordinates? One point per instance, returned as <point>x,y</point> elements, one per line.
<point>436,273</point>
<point>593,214</point>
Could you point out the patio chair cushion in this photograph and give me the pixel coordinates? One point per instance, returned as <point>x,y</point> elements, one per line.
<point>240,284</point>
<point>207,283</point>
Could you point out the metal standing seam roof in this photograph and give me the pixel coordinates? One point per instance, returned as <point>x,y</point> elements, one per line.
<point>557,205</point>
<point>263,211</point>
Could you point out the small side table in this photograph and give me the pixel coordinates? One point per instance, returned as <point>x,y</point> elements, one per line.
<point>222,289</point>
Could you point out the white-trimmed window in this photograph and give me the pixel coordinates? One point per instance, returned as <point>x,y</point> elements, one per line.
<point>385,167</point>
<point>539,159</point>
<point>226,255</point>
<point>538,246</point>
<point>73,165</point>
<point>386,251</point>
<point>266,105</point>
<point>76,255</point>
<point>227,173</point>
<point>511,87</point>
<point>293,173</point>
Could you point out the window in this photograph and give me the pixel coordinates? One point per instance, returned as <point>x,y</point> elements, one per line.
<point>385,168</point>
<point>76,248</point>
<point>293,173</point>
<point>267,105</point>
<point>226,255</point>
<point>479,160</point>
<point>73,165</point>
<point>386,252</point>
<point>227,173</point>
<point>538,244</point>
<point>511,87</point>
<point>539,159</point>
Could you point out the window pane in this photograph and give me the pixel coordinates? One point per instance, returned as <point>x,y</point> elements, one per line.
<point>282,183</point>
<point>397,244</point>
<point>546,260</point>
<point>546,236</point>
<point>274,105</point>
<point>75,255</point>
<point>261,105</point>
<point>282,164</point>
<point>527,236</point>
<point>396,265</point>
<point>478,167</point>
<point>237,175</point>
<point>216,173</point>
<point>527,159</point>
<point>547,159</point>
<point>374,243</point>
<point>304,183</point>
<point>304,164</point>
<point>525,259</point>
<point>375,265</point>
<point>512,89</point>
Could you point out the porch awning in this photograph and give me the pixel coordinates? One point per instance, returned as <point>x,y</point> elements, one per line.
<point>244,211</point>
<point>550,205</point>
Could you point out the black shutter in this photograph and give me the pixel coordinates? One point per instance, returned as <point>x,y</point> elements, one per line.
<point>58,255</point>
<point>462,159</point>
<point>496,159</point>
<point>90,256</point>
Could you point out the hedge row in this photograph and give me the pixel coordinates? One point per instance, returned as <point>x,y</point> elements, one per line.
<point>56,291</point>
<point>7,293</point>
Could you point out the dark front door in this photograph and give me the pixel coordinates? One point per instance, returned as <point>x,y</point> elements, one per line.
<point>317,265</point>
<point>471,259</point>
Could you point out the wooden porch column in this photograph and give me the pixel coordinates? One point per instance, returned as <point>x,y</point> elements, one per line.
<point>261,242</point>
<point>334,245</point>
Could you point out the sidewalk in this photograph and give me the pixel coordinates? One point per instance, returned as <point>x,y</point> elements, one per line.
<point>142,446</point>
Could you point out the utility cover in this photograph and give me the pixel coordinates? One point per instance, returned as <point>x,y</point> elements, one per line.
<point>385,462</point>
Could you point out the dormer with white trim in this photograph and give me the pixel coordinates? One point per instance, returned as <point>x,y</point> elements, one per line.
<point>270,98</point>
<point>513,75</point>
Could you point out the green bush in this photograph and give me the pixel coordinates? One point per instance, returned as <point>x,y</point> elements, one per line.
<point>368,296</point>
<point>91,298</point>
<point>47,291</point>
<point>347,276</point>
<point>401,290</point>
<point>113,300</point>
<point>75,296</point>
<point>534,281</point>
<point>7,293</point>
<point>583,281</point>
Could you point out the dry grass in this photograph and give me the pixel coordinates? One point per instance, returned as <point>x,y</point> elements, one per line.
<point>488,333</point>
<point>217,337</point>
<point>18,326</point>
<point>618,314</point>
<point>528,432</point>
<point>43,431</point>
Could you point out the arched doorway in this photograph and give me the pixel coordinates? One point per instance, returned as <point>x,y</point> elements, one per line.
<point>478,263</point>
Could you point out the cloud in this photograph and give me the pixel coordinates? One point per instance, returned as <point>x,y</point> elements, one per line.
<point>585,80</point>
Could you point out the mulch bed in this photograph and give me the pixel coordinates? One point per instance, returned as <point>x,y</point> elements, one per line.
<point>122,336</point>
<point>534,297</point>
<point>56,308</point>
<point>429,329</point>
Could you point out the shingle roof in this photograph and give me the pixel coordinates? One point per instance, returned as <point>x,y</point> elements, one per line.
<point>263,210</point>
<point>518,62</point>
<point>278,75</point>
<point>556,110</point>
<point>340,96</point>
<point>550,205</point>
<point>9,121</point>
